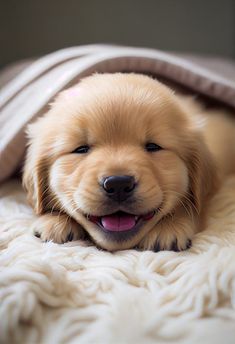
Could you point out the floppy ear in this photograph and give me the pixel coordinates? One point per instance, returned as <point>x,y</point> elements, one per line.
<point>203,173</point>
<point>35,174</point>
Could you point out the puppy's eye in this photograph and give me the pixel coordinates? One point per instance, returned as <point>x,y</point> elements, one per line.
<point>81,150</point>
<point>152,147</point>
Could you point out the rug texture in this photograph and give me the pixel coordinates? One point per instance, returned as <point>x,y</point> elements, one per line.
<point>75,293</point>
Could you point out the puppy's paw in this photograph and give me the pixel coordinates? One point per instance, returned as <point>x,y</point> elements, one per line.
<point>169,236</point>
<point>57,228</point>
<point>172,244</point>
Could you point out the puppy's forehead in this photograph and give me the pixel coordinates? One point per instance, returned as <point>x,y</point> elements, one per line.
<point>123,108</point>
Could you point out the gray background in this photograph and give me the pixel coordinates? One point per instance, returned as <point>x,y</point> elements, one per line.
<point>35,27</point>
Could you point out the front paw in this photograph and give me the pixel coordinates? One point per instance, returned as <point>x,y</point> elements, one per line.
<point>57,228</point>
<point>173,244</point>
<point>169,236</point>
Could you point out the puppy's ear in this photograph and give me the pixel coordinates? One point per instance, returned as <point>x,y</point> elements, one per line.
<point>35,172</point>
<point>202,173</point>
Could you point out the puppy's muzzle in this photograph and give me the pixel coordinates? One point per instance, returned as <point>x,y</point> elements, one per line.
<point>119,188</point>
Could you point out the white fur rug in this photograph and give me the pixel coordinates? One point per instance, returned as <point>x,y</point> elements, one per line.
<point>75,293</point>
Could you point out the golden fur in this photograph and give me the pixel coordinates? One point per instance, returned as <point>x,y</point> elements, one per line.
<point>116,114</point>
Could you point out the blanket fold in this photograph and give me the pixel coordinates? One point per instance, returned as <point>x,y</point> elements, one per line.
<point>26,96</point>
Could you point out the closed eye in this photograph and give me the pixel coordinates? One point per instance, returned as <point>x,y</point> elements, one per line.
<point>82,149</point>
<point>152,147</point>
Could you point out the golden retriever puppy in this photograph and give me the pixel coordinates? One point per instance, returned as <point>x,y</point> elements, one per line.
<point>123,159</point>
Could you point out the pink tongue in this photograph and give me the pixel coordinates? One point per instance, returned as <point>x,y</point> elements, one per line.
<point>118,222</point>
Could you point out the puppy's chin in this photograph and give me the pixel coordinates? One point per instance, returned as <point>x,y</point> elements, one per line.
<point>120,238</point>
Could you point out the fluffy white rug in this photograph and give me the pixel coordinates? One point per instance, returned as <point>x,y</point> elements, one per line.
<point>74,293</point>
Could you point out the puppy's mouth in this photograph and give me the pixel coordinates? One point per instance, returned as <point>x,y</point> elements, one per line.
<point>120,221</point>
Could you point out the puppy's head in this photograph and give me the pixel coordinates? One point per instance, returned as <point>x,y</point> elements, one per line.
<point>117,152</point>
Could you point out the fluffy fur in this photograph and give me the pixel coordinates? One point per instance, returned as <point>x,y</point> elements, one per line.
<point>116,115</point>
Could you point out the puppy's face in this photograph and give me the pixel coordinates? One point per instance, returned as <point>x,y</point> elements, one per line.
<point>118,153</point>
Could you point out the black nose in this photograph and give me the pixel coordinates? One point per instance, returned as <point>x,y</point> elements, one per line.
<point>119,188</point>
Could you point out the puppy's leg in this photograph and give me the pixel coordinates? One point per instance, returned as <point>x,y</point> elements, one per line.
<point>173,233</point>
<point>58,228</point>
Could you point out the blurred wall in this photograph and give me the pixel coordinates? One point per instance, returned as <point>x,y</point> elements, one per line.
<point>35,27</point>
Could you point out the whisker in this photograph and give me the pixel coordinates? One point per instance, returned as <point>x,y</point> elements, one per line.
<point>183,195</point>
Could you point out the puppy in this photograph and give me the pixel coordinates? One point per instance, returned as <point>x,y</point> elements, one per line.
<point>123,159</point>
